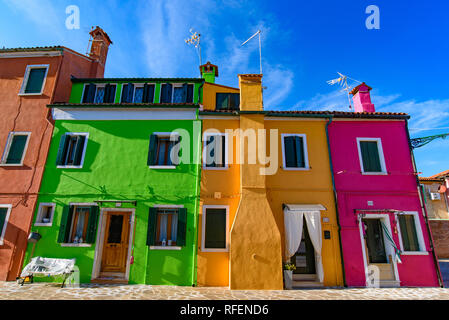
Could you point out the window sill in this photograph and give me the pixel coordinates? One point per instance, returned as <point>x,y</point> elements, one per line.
<point>375,173</point>
<point>162,167</point>
<point>30,94</point>
<point>415,253</point>
<point>215,168</point>
<point>295,169</point>
<point>165,248</point>
<point>214,250</point>
<point>42,224</point>
<point>80,245</point>
<point>69,167</point>
<point>11,164</point>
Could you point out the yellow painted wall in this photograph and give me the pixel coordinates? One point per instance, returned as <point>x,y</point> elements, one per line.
<point>209,94</point>
<point>313,186</point>
<point>436,209</point>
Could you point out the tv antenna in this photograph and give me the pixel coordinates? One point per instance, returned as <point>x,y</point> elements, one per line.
<point>343,82</point>
<point>260,48</point>
<point>195,39</point>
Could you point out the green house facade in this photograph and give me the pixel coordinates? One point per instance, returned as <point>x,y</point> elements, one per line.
<point>120,191</point>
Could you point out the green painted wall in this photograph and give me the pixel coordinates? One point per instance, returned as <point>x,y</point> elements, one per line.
<point>78,87</point>
<point>115,168</point>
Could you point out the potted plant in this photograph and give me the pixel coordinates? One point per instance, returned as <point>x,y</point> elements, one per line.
<point>288,275</point>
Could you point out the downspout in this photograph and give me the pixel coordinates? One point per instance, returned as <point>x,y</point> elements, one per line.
<point>335,199</point>
<point>197,203</point>
<point>423,208</point>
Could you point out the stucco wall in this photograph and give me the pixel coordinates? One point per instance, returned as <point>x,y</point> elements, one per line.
<point>440,235</point>
<point>115,168</point>
<point>397,190</point>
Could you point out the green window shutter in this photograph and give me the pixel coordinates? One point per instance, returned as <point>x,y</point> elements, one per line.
<point>35,80</point>
<point>175,159</point>
<point>152,150</point>
<point>89,93</point>
<point>370,156</point>
<point>408,233</point>
<point>130,94</point>
<point>79,148</point>
<point>215,230</point>
<point>182,227</point>
<point>184,92</point>
<point>299,147</point>
<point>64,227</point>
<point>152,221</point>
<point>190,88</point>
<point>3,212</point>
<point>289,150</point>
<point>61,150</point>
<point>109,93</point>
<point>16,149</point>
<point>92,224</point>
<point>166,93</point>
<point>124,97</point>
<point>148,93</point>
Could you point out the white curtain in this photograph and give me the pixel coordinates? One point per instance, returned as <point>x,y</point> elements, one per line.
<point>313,221</point>
<point>293,222</point>
<point>163,230</point>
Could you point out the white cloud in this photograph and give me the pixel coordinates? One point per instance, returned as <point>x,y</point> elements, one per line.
<point>279,83</point>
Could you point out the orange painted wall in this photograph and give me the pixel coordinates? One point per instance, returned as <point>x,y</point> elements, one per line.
<point>312,186</point>
<point>213,267</point>
<point>209,94</point>
<point>29,113</point>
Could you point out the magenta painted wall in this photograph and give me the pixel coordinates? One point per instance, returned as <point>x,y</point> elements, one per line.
<point>397,190</point>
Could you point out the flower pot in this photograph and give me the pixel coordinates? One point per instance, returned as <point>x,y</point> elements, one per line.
<point>288,279</point>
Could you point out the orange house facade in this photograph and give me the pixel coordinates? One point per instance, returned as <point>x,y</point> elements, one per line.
<point>30,79</point>
<point>244,232</point>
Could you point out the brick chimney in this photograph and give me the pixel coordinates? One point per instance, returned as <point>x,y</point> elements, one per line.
<point>100,46</point>
<point>251,98</point>
<point>362,98</point>
<point>209,71</point>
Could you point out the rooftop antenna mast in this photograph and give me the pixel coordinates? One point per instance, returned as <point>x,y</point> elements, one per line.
<point>260,48</point>
<point>195,39</point>
<point>343,82</point>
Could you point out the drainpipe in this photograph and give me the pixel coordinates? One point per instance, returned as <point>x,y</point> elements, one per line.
<point>424,210</point>
<point>197,204</point>
<point>336,200</point>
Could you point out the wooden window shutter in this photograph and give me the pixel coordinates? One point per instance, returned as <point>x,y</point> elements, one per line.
<point>16,149</point>
<point>184,92</point>
<point>124,93</point>
<point>370,156</point>
<point>176,155</point>
<point>61,150</point>
<point>148,93</point>
<point>129,95</point>
<point>182,227</point>
<point>166,93</point>
<point>190,88</point>
<point>109,93</point>
<point>3,212</point>
<point>79,148</point>
<point>152,221</point>
<point>152,150</point>
<point>408,233</point>
<point>64,227</point>
<point>92,224</point>
<point>289,149</point>
<point>299,146</point>
<point>89,93</point>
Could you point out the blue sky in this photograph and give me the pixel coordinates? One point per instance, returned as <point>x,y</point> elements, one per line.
<point>304,43</point>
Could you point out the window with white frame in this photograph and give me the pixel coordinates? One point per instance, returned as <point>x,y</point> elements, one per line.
<point>371,156</point>
<point>45,214</point>
<point>5,210</point>
<point>215,225</point>
<point>177,93</point>
<point>215,151</point>
<point>167,226</point>
<point>160,154</point>
<point>34,79</point>
<point>72,149</point>
<point>411,238</point>
<point>15,148</point>
<point>138,93</point>
<point>294,152</point>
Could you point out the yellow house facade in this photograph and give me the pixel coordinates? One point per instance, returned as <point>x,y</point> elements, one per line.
<point>248,199</point>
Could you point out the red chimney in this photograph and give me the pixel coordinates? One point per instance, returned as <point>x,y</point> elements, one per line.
<point>100,45</point>
<point>362,98</point>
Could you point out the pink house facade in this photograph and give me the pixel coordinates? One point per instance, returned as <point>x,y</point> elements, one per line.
<point>385,236</point>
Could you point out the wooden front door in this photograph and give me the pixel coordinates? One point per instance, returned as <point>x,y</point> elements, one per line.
<point>116,242</point>
<point>304,258</point>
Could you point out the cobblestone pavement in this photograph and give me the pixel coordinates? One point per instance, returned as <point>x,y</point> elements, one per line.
<point>46,291</point>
